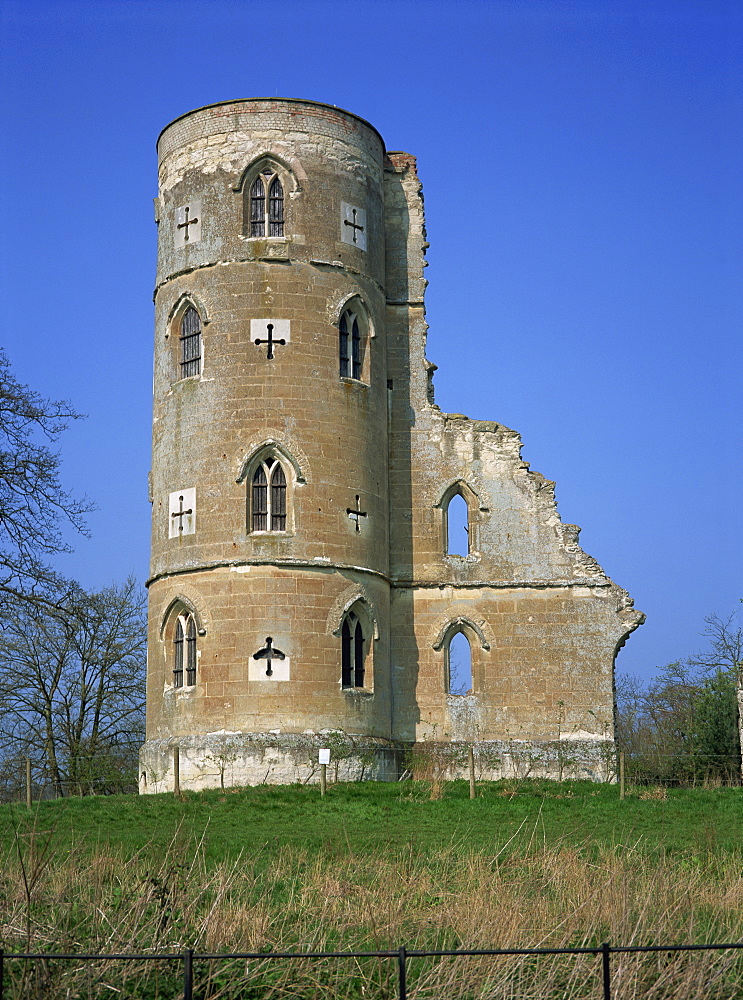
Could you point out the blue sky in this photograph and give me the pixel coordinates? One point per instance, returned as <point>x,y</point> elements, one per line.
<point>581,163</point>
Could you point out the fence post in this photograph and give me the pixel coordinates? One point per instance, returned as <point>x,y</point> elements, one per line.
<point>28,782</point>
<point>323,778</point>
<point>605,954</point>
<point>401,958</point>
<point>471,760</point>
<point>176,771</point>
<point>2,955</point>
<point>187,975</point>
<point>621,774</point>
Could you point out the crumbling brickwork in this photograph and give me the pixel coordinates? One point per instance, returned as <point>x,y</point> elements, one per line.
<point>347,571</point>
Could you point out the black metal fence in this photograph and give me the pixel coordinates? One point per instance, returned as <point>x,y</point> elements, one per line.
<point>401,957</point>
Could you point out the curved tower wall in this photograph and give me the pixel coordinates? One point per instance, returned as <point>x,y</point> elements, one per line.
<point>329,433</point>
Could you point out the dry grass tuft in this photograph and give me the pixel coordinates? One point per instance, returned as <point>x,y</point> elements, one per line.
<point>524,894</point>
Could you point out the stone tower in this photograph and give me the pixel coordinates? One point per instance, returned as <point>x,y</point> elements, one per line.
<point>303,582</point>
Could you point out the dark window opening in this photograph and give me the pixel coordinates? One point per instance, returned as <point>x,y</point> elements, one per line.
<point>190,343</point>
<point>260,500</point>
<point>352,653</point>
<point>276,209</point>
<point>264,221</point>
<point>343,347</point>
<point>258,208</point>
<point>358,657</point>
<point>185,634</point>
<point>191,651</point>
<point>278,499</point>
<point>355,350</point>
<point>350,355</point>
<point>268,497</point>
<point>346,655</point>
<point>178,662</point>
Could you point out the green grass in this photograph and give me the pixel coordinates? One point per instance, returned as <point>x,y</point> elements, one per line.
<point>367,816</point>
<point>372,866</point>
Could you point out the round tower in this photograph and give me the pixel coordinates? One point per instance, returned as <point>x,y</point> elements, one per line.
<point>269,587</point>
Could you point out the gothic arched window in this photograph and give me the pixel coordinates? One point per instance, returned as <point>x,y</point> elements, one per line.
<point>457,526</point>
<point>267,205</point>
<point>459,665</point>
<point>352,652</point>
<point>190,338</point>
<point>349,345</point>
<point>268,497</point>
<point>185,635</point>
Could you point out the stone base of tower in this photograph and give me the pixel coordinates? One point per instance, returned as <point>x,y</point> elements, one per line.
<point>581,759</point>
<point>215,760</point>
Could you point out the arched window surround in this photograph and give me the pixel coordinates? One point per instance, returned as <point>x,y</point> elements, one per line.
<point>184,353</point>
<point>460,627</point>
<point>477,643</point>
<point>355,332</point>
<point>475,510</point>
<point>357,632</point>
<point>267,496</point>
<point>270,477</point>
<point>180,633</point>
<point>266,169</point>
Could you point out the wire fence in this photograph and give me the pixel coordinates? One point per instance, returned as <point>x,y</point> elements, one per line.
<point>233,762</point>
<point>402,958</point>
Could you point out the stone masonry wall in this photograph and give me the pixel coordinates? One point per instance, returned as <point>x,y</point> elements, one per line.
<point>542,619</point>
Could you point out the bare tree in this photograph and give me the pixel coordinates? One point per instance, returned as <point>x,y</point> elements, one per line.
<point>72,681</point>
<point>33,505</point>
<point>725,651</point>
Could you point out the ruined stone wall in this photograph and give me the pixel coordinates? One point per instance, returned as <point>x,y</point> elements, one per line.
<point>542,619</point>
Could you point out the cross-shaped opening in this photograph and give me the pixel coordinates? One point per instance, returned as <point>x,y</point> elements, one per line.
<point>269,653</point>
<point>270,340</point>
<point>354,225</point>
<point>356,512</point>
<point>181,513</point>
<point>186,223</point>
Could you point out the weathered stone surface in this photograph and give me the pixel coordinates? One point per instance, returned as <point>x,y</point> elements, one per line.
<point>542,619</point>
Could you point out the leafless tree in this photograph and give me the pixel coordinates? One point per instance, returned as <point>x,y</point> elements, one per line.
<point>33,505</point>
<point>72,677</point>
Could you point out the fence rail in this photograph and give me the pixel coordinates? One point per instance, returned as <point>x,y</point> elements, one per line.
<point>400,956</point>
<point>441,762</point>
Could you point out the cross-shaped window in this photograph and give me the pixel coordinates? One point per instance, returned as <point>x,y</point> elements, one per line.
<point>266,205</point>
<point>268,497</point>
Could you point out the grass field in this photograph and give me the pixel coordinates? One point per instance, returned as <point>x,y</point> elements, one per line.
<point>374,866</point>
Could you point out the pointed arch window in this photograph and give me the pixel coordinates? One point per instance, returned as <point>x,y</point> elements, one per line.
<point>267,205</point>
<point>190,339</point>
<point>349,345</point>
<point>184,650</point>
<point>459,665</point>
<point>352,652</point>
<point>268,497</point>
<point>457,526</point>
